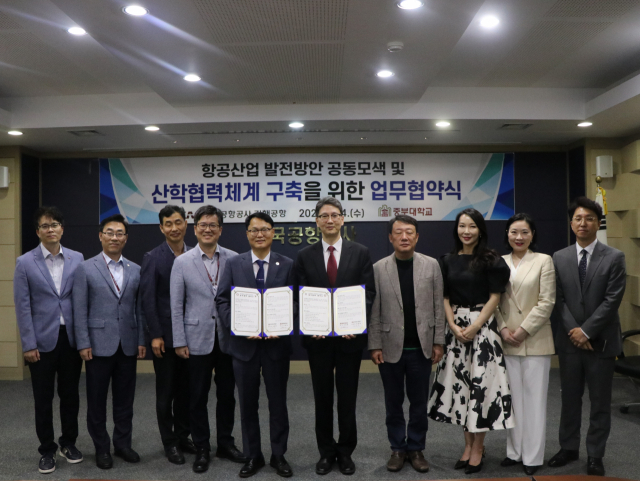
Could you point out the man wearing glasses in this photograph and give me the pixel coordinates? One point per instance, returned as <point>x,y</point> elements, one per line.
<point>110,336</point>
<point>260,268</point>
<point>172,373</point>
<point>335,262</point>
<point>42,286</point>
<point>590,283</point>
<point>199,337</point>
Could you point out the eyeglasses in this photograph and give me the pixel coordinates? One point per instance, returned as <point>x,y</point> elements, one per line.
<point>54,225</point>
<point>110,234</point>
<point>263,231</point>
<point>205,226</point>
<point>589,219</point>
<point>334,216</point>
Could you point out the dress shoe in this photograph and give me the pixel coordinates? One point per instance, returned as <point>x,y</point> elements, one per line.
<point>325,465</point>
<point>396,461</point>
<point>104,460</point>
<point>251,467</point>
<point>346,465</point>
<point>530,470</point>
<point>47,463</point>
<point>127,454</point>
<point>71,454</point>
<point>562,457</point>
<point>232,453</point>
<point>470,469</point>
<point>201,464</point>
<point>460,464</point>
<point>416,458</point>
<point>595,466</point>
<point>174,455</point>
<point>506,462</point>
<point>187,446</point>
<point>281,466</point>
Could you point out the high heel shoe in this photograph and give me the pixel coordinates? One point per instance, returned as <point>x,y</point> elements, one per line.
<point>471,469</point>
<point>460,464</point>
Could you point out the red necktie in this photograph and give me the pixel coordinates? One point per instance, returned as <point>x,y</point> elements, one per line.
<point>332,267</point>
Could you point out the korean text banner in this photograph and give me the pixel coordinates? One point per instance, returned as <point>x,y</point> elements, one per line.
<point>371,187</point>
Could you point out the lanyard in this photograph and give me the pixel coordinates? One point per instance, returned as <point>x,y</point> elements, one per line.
<point>112,278</point>
<point>217,272</point>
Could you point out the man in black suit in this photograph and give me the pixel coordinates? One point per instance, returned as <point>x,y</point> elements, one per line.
<point>260,268</point>
<point>335,262</point>
<point>590,283</point>
<point>172,373</point>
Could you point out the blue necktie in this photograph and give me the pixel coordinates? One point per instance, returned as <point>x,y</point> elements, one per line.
<point>260,275</point>
<point>582,267</point>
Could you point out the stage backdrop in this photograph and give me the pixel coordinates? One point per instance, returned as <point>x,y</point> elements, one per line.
<point>374,187</point>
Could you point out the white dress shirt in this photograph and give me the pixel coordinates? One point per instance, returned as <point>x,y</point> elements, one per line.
<point>265,266</point>
<point>55,264</point>
<point>336,253</point>
<point>589,250</point>
<point>117,271</point>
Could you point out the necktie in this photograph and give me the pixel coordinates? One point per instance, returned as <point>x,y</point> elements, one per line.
<point>582,267</point>
<point>260,275</point>
<point>332,267</point>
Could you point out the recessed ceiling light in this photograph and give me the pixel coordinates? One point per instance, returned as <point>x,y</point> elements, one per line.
<point>191,77</point>
<point>14,132</point>
<point>79,31</point>
<point>489,21</point>
<point>585,124</point>
<point>135,10</point>
<point>385,74</point>
<point>152,128</point>
<point>296,125</point>
<point>443,123</point>
<point>410,4</point>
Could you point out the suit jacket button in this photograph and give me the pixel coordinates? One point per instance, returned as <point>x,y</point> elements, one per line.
<point>519,311</point>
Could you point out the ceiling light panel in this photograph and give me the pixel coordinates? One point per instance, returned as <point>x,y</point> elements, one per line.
<point>77,31</point>
<point>489,21</point>
<point>135,10</point>
<point>410,4</point>
<point>296,125</point>
<point>385,74</point>
<point>585,124</point>
<point>152,128</point>
<point>14,132</point>
<point>443,124</point>
<point>191,77</point>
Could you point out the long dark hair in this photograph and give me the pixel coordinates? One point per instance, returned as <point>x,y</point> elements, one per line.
<point>483,256</point>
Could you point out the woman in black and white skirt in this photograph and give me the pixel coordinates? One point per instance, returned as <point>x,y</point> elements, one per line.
<point>471,388</point>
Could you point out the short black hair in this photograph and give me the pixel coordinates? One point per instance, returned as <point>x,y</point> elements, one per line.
<point>115,218</point>
<point>328,201</point>
<point>208,210</point>
<point>585,203</point>
<point>532,225</point>
<point>45,211</point>
<point>405,219</point>
<point>258,215</point>
<point>169,210</point>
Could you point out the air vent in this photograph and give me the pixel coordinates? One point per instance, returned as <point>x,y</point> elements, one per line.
<point>84,133</point>
<point>514,126</point>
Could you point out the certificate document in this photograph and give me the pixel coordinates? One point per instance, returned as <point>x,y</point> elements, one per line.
<point>315,311</point>
<point>246,312</point>
<point>277,311</point>
<point>349,310</point>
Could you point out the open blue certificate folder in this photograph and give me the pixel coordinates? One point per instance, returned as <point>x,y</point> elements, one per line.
<point>263,313</point>
<point>333,312</point>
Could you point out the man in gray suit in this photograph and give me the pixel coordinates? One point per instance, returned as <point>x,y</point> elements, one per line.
<point>42,286</point>
<point>109,335</point>
<point>197,335</point>
<point>590,283</point>
<point>406,335</point>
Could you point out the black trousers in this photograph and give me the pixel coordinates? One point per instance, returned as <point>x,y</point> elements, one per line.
<point>172,397</point>
<point>64,361</point>
<point>200,373</point>
<point>120,371</point>
<point>276,375</point>
<point>322,363</point>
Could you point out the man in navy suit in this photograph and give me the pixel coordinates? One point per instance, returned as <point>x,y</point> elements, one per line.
<point>110,335</point>
<point>172,372</point>
<point>259,268</point>
<point>42,286</point>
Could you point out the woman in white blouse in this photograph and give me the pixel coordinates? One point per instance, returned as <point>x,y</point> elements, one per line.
<point>523,319</point>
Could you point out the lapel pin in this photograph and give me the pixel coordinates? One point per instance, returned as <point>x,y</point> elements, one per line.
<point>128,265</point>
<point>277,263</point>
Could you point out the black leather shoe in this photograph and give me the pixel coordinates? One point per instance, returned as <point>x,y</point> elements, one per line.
<point>174,455</point>
<point>460,464</point>
<point>251,467</point>
<point>201,464</point>
<point>595,466</point>
<point>325,465</point>
<point>187,446</point>
<point>346,465</point>
<point>232,453</point>
<point>506,462</point>
<point>563,457</point>
<point>530,470</point>
<point>470,469</point>
<point>282,467</point>
<point>104,460</point>
<point>127,454</point>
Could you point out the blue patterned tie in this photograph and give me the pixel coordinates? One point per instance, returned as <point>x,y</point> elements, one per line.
<point>260,275</point>
<point>582,267</point>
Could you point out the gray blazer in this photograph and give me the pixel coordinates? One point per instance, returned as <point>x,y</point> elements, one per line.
<point>38,304</point>
<point>193,305</point>
<point>386,330</point>
<point>594,307</point>
<point>102,320</point>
